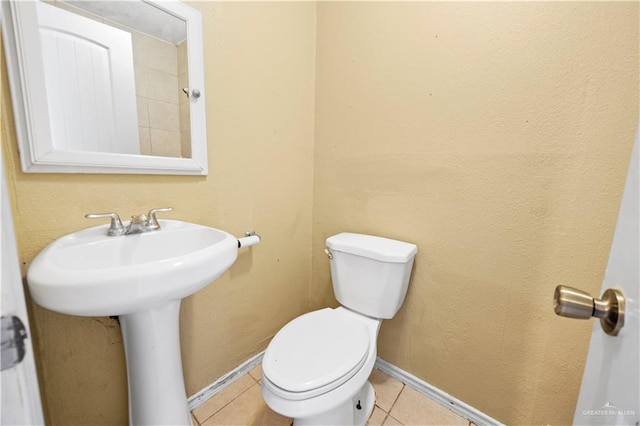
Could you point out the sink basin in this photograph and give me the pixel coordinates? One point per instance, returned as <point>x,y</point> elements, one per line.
<point>88,273</point>
<point>141,278</point>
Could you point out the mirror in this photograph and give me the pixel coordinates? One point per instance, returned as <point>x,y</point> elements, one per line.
<point>107,87</point>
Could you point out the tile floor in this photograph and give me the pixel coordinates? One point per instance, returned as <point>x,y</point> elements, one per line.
<point>396,404</point>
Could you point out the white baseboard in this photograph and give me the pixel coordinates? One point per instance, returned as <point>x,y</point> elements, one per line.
<point>209,391</point>
<point>460,408</point>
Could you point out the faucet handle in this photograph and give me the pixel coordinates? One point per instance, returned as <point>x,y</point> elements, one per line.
<point>153,220</point>
<point>116,228</point>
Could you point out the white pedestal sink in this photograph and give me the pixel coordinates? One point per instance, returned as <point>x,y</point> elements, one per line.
<point>141,278</point>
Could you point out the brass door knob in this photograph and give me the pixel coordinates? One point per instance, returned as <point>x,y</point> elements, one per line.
<point>573,303</point>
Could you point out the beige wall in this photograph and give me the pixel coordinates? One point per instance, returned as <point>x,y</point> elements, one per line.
<point>259,60</point>
<point>496,137</point>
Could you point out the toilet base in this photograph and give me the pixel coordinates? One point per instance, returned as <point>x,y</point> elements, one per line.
<point>347,414</point>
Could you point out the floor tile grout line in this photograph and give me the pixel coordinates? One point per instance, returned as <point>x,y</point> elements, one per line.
<point>379,408</point>
<point>228,403</point>
<point>397,421</point>
<point>396,399</point>
<point>248,373</point>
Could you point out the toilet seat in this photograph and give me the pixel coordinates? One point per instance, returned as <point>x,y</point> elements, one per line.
<point>316,353</point>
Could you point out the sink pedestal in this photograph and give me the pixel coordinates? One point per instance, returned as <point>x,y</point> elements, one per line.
<point>154,366</point>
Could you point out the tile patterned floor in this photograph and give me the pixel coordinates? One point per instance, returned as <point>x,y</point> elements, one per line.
<point>396,404</point>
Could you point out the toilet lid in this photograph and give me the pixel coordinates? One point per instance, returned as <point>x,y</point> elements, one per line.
<point>316,349</point>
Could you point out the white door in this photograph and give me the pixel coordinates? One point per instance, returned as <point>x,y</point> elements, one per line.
<point>610,386</point>
<point>90,83</point>
<point>20,393</point>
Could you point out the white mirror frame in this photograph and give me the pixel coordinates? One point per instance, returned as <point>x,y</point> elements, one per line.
<point>26,79</point>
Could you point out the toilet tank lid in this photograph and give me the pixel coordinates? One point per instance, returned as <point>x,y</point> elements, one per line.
<point>378,248</point>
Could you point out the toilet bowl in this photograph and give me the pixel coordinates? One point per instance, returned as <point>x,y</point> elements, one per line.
<point>316,367</point>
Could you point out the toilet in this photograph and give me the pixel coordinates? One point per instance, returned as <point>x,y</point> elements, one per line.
<point>316,367</point>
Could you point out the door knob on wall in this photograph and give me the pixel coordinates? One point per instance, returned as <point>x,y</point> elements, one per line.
<point>573,303</point>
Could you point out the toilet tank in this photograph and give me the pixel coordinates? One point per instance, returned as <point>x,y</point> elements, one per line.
<point>370,274</point>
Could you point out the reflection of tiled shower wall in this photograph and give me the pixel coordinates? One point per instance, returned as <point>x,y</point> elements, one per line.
<point>159,96</point>
<point>185,118</point>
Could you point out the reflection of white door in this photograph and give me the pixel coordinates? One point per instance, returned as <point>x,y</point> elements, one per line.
<point>90,83</point>
<point>20,393</point>
<point>610,385</point>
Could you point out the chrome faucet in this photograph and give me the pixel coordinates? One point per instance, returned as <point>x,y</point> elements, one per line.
<point>138,224</point>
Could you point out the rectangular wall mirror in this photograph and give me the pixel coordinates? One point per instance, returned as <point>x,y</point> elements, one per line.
<point>107,86</point>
